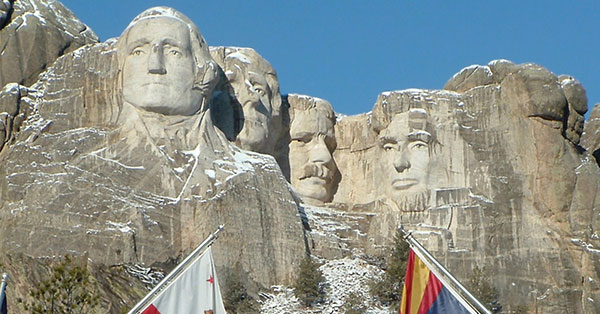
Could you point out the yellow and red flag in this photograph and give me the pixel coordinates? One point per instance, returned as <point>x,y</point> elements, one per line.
<point>424,293</point>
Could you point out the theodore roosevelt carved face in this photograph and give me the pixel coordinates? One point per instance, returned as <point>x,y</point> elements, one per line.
<point>165,64</point>
<point>312,141</point>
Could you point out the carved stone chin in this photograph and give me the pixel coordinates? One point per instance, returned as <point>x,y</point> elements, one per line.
<point>414,202</point>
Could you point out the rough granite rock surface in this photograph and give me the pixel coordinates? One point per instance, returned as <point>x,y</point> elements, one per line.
<point>509,176</point>
<point>71,183</point>
<point>33,33</point>
<point>590,139</point>
<point>510,188</point>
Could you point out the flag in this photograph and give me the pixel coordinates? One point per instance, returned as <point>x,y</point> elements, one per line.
<point>424,293</point>
<point>195,291</point>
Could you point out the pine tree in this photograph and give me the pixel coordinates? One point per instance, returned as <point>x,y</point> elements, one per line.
<point>480,286</point>
<point>354,305</point>
<point>70,289</point>
<point>236,298</point>
<point>307,287</point>
<point>388,290</point>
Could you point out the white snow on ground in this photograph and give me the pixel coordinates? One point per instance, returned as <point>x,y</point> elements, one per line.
<point>342,278</point>
<point>324,219</point>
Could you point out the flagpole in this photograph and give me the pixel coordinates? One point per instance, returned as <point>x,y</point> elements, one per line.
<point>414,243</point>
<point>147,300</point>
<point>3,289</point>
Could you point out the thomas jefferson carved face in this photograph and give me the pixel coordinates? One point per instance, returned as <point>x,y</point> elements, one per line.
<point>312,141</point>
<point>159,67</point>
<point>257,89</point>
<point>405,145</point>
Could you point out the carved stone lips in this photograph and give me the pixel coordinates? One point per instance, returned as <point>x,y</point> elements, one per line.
<point>315,180</point>
<point>154,83</point>
<point>404,183</point>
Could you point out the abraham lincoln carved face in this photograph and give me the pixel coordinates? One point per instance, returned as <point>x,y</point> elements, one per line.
<point>406,145</point>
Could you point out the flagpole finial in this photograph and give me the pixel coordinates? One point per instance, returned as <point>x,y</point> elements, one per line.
<point>219,229</point>
<point>405,233</point>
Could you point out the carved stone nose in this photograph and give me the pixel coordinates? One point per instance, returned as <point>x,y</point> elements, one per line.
<point>401,162</point>
<point>156,62</point>
<point>319,152</point>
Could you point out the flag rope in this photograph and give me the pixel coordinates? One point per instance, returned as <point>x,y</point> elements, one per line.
<point>430,261</point>
<point>179,269</point>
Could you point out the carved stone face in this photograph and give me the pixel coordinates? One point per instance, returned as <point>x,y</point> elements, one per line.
<point>405,155</point>
<point>255,94</point>
<point>256,88</point>
<point>159,67</point>
<point>311,163</point>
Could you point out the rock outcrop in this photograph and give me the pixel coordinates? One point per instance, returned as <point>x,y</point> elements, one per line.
<point>87,174</point>
<point>509,187</point>
<point>33,33</point>
<point>497,170</point>
<point>590,139</point>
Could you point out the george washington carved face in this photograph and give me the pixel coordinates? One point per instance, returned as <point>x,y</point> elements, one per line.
<point>165,63</point>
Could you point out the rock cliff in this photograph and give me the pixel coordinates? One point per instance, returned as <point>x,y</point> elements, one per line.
<point>496,170</point>
<point>33,34</point>
<point>85,174</point>
<point>509,187</point>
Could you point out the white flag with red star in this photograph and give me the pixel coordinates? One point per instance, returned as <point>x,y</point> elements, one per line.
<point>195,291</point>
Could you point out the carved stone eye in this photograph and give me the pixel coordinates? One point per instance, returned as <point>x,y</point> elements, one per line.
<point>137,52</point>
<point>303,140</point>
<point>388,146</point>
<point>259,89</point>
<point>419,145</point>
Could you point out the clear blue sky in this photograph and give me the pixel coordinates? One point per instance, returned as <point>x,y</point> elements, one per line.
<point>349,51</point>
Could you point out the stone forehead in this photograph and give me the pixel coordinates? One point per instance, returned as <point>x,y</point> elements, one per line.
<point>160,29</point>
<point>249,60</point>
<point>159,12</point>
<point>389,104</point>
<point>408,122</point>
<point>305,103</point>
<point>311,122</point>
<point>199,45</point>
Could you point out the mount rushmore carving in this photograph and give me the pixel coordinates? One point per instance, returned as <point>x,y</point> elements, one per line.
<point>133,150</point>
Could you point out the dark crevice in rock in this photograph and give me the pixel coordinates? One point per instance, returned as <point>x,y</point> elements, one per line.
<point>8,16</point>
<point>64,48</point>
<point>596,155</point>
